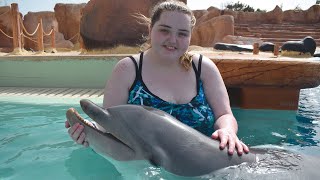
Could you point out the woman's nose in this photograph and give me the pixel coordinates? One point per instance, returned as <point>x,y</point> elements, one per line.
<point>172,38</point>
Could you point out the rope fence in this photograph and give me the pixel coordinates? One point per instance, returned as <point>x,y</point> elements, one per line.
<point>20,32</point>
<point>73,36</point>
<point>5,34</point>
<point>33,40</point>
<point>10,37</point>
<point>4,13</point>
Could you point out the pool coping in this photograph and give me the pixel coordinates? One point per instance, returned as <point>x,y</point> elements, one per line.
<point>52,92</point>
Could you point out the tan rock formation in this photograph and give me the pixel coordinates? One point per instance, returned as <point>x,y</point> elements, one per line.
<point>243,17</point>
<point>6,27</point>
<point>106,23</point>
<point>274,16</point>
<point>48,20</point>
<point>68,17</point>
<point>209,32</point>
<point>312,15</point>
<point>241,40</point>
<point>199,13</point>
<point>208,14</point>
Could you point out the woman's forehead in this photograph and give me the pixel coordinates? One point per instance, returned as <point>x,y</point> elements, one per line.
<point>175,19</point>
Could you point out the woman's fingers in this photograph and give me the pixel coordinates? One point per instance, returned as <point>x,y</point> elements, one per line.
<point>75,132</point>
<point>66,124</point>
<point>81,138</point>
<point>231,145</point>
<point>230,140</point>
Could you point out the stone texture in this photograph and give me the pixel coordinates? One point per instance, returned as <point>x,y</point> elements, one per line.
<point>241,40</point>
<point>268,73</point>
<point>107,23</point>
<point>48,20</point>
<point>209,32</point>
<point>68,17</point>
<point>6,26</point>
<point>208,14</point>
<point>312,15</point>
<point>274,16</point>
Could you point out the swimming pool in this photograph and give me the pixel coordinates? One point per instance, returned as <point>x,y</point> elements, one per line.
<point>34,143</point>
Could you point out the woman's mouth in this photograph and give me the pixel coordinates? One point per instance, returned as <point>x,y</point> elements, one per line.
<point>170,48</point>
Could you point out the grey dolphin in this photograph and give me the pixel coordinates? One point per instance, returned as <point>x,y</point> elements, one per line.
<point>145,133</point>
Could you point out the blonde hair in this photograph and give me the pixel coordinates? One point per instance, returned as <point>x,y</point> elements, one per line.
<point>169,5</point>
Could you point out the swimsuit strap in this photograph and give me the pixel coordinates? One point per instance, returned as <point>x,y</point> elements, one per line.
<point>197,71</point>
<point>138,68</point>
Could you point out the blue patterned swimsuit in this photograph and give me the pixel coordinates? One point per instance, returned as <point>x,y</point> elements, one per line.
<point>197,113</point>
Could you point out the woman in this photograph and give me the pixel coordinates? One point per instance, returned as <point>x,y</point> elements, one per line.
<point>167,77</point>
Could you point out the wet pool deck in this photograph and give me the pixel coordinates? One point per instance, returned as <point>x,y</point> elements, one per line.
<point>51,92</point>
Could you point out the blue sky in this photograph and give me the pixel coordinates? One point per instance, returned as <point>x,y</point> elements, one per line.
<point>48,5</point>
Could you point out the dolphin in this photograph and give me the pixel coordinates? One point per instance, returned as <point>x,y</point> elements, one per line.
<point>143,133</point>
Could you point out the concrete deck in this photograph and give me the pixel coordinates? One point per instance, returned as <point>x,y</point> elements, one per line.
<point>51,92</point>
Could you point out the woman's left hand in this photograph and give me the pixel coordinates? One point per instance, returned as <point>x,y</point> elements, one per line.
<point>228,136</point>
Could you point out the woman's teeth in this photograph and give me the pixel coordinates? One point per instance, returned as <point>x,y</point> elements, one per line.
<point>170,47</point>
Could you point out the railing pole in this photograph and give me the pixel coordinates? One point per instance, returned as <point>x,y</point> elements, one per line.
<point>53,39</point>
<point>16,27</point>
<point>40,36</point>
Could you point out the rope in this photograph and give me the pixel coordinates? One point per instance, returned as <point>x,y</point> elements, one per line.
<point>48,33</point>
<point>30,38</point>
<point>4,13</point>
<point>73,36</point>
<point>25,30</point>
<point>6,34</point>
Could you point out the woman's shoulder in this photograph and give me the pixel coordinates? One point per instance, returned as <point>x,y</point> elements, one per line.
<point>129,59</point>
<point>208,67</point>
<point>205,61</point>
<point>127,64</point>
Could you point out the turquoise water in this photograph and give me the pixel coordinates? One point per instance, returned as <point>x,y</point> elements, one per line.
<point>35,145</point>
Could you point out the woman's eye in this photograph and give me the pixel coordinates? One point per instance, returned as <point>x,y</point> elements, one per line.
<point>183,34</point>
<point>164,30</point>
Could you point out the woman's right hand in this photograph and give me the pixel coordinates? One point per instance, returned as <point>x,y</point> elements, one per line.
<point>76,133</point>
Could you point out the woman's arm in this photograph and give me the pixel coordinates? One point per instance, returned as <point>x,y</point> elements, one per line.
<point>115,93</point>
<point>216,93</point>
<point>117,87</point>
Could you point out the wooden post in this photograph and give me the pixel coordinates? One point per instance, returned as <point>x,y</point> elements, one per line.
<point>53,40</point>
<point>80,40</point>
<point>40,36</point>
<point>276,49</point>
<point>256,48</point>
<point>16,27</point>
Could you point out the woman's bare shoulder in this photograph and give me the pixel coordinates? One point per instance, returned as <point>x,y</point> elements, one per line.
<point>206,62</point>
<point>126,65</point>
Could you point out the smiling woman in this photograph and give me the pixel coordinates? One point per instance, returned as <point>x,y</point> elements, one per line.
<point>167,77</point>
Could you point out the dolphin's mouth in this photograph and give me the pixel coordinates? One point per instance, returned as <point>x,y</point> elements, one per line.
<point>74,117</point>
<point>82,120</point>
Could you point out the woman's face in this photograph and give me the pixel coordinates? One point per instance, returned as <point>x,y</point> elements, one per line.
<point>171,34</point>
